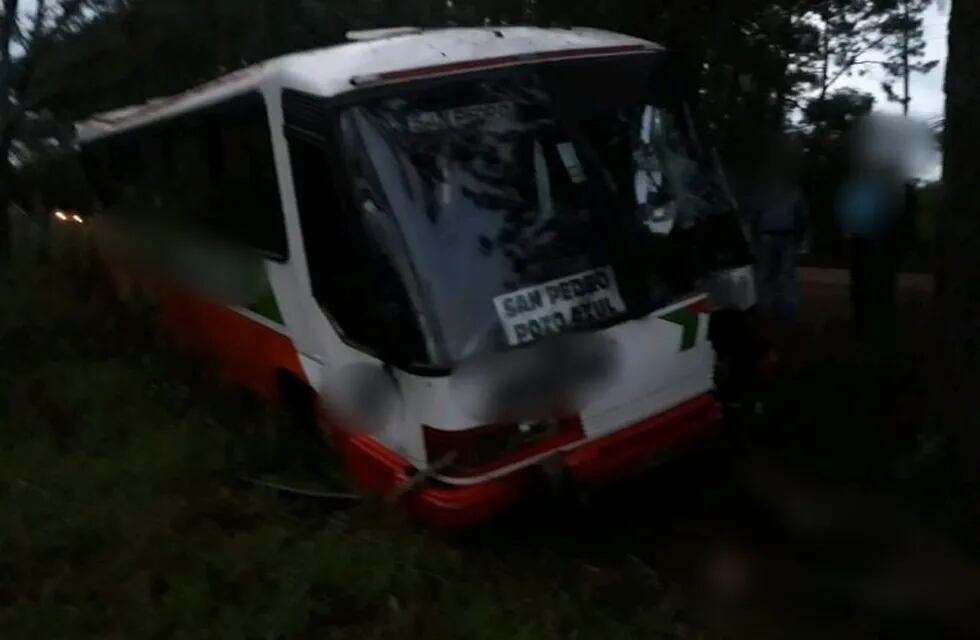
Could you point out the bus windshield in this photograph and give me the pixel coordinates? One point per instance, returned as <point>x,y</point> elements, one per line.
<point>512,207</point>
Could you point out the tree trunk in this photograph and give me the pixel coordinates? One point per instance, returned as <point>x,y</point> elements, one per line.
<point>6,232</point>
<point>958,283</point>
<point>825,55</point>
<point>8,22</point>
<point>906,70</point>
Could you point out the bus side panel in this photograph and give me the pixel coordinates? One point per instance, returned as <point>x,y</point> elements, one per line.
<point>249,351</point>
<point>246,350</point>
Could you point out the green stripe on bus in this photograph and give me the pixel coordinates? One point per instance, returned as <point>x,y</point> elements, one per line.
<point>689,320</point>
<point>266,306</point>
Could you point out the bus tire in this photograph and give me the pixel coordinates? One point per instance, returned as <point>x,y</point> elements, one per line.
<point>298,400</point>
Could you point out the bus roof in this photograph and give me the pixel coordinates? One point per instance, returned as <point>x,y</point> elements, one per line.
<point>340,68</point>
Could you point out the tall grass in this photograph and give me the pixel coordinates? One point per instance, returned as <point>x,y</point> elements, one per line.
<point>122,514</point>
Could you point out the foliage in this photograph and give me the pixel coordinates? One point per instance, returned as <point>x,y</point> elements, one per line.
<point>124,515</point>
<point>834,115</point>
<point>855,34</point>
<point>27,39</point>
<point>743,52</point>
<point>754,68</point>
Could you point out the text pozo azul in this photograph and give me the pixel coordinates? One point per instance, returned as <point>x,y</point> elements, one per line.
<point>572,302</point>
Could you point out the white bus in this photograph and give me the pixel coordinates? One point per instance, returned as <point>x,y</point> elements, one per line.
<point>485,250</point>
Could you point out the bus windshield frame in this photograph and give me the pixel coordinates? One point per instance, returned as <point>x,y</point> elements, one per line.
<point>502,206</point>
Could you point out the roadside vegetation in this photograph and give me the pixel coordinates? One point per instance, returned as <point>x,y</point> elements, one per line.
<point>125,510</point>
<point>123,513</point>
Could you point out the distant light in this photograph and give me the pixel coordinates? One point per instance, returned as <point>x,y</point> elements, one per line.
<point>60,215</point>
<point>77,218</point>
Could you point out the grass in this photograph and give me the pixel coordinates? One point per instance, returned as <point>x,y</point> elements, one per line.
<point>122,512</point>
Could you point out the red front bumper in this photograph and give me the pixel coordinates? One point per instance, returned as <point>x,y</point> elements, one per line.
<point>377,470</point>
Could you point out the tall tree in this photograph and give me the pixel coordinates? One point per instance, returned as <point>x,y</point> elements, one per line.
<point>28,34</point>
<point>959,233</point>
<point>753,65</point>
<point>857,35</point>
<point>148,48</point>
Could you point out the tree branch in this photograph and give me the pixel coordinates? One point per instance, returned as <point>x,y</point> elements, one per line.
<point>854,60</point>
<point>15,102</point>
<point>793,102</point>
<point>879,62</point>
<point>70,9</point>
<point>40,15</point>
<point>7,30</point>
<point>42,38</point>
<point>8,27</point>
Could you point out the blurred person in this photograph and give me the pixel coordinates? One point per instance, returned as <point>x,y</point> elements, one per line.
<point>778,224</point>
<point>876,209</point>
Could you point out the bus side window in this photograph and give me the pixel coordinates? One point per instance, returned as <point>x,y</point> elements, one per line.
<point>249,201</point>
<point>124,172</point>
<point>331,255</point>
<point>156,172</point>
<point>96,172</point>
<point>191,188</point>
<point>351,279</point>
<point>211,170</point>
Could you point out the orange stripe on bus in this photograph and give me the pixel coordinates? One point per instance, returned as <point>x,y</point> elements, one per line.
<point>247,351</point>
